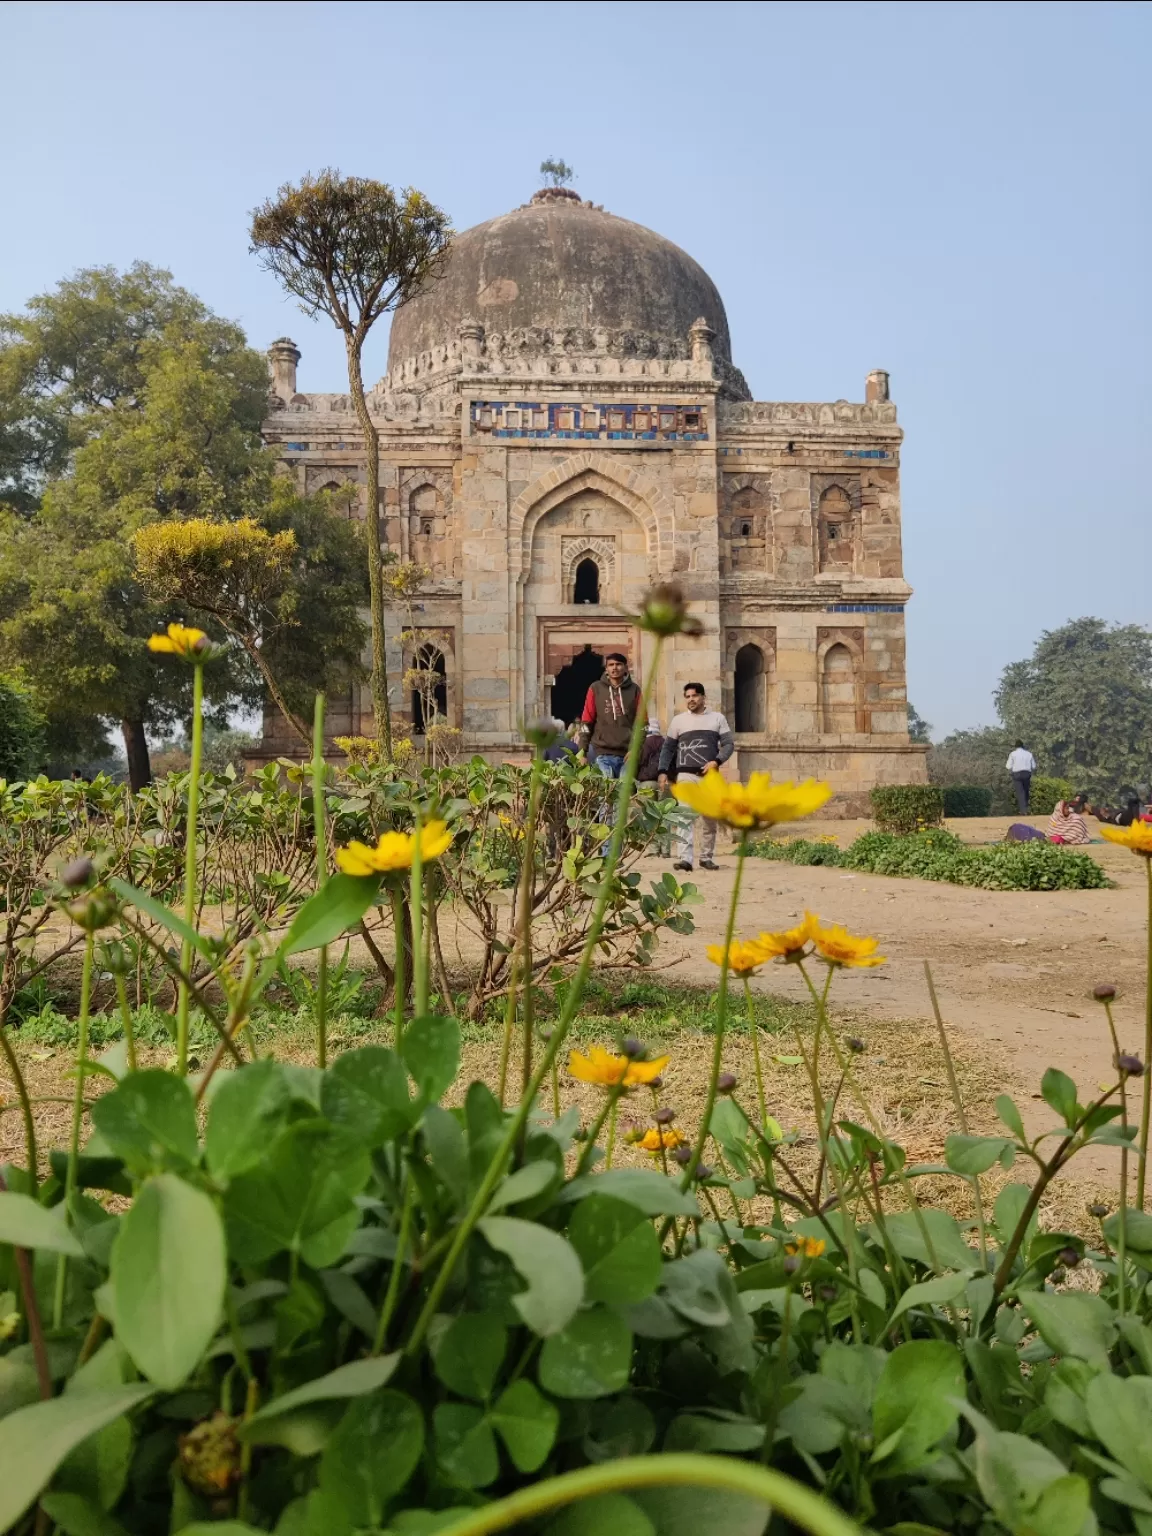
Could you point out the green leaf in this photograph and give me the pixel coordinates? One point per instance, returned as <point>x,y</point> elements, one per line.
<point>715,1431</point>
<point>701,1288</point>
<point>168,1276</point>
<point>300,1198</point>
<point>1010,1115</point>
<point>648,1190</point>
<point>602,1513</point>
<point>623,1427</point>
<point>159,913</point>
<point>971,1155</point>
<point>447,1150</point>
<point>18,1384</point>
<point>470,1353</point>
<point>1059,1093</point>
<point>916,1398</point>
<point>365,1096</point>
<point>35,1440</point>
<point>26,1223</point>
<point>618,1248</point>
<point>1015,1473</point>
<point>1065,1396</point>
<point>548,1264</point>
<point>247,1111</point>
<point>591,1357</point>
<point>525,1184</point>
<point>1138,1230</point>
<point>948,1250</point>
<point>334,909</point>
<point>930,1293</point>
<point>149,1120</point>
<point>352,1380</point>
<point>78,1516</point>
<point>690,1511</point>
<point>371,1455</point>
<point>431,1052</point>
<point>527,1423</point>
<point>1063,1507</point>
<point>465,1445</point>
<point>1073,1323</point>
<point>819,1414</point>
<point>1120,1411</point>
<point>1008,1210</point>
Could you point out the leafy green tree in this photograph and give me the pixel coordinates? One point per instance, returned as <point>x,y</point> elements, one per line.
<point>80,352</point>
<point>353,249</point>
<point>556,173</point>
<point>21,731</point>
<point>919,729</point>
<point>975,756</point>
<point>1083,703</point>
<point>165,428</point>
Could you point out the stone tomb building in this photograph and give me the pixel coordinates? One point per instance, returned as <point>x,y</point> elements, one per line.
<point>562,425</point>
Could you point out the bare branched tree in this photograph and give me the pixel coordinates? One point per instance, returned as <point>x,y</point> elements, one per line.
<point>353,249</point>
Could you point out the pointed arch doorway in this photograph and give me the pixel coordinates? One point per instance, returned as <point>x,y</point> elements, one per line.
<point>570,657</point>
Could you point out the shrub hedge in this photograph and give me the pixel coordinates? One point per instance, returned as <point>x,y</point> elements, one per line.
<point>1046,792</point>
<point>904,808</point>
<point>940,855</point>
<point>967,800</point>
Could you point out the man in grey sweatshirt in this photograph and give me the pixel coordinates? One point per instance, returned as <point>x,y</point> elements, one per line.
<point>698,740</point>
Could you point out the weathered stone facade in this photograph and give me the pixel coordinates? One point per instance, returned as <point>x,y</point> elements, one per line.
<point>550,445</point>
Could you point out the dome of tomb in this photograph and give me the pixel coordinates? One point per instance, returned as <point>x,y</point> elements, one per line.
<point>560,275</point>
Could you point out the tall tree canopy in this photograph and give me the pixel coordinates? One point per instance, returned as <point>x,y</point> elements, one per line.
<point>155,417</point>
<point>353,249</point>
<point>1083,703</point>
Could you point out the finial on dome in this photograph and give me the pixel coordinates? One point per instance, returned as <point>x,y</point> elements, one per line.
<point>700,339</point>
<point>283,355</point>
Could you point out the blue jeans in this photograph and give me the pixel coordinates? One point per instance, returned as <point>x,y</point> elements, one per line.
<point>610,766</point>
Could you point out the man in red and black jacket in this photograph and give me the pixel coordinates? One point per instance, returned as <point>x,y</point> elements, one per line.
<point>609,713</point>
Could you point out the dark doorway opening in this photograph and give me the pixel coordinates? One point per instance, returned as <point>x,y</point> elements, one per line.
<point>573,682</point>
<point>430,700</point>
<point>749,688</point>
<point>587,585</point>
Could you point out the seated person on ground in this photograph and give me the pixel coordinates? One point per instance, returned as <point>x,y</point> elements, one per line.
<point>1066,825</point>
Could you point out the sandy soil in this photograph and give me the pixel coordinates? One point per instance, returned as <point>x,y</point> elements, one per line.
<point>1012,969</point>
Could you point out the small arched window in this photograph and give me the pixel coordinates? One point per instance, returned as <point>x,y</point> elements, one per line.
<point>586,587</point>
<point>745,530</point>
<point>749,690</point>
<point>838,690</point>
<point>835,528</point>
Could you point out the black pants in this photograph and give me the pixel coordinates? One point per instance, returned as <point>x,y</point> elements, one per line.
<point>1022,783</point>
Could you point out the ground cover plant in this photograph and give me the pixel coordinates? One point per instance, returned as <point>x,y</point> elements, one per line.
<point>361,1296</point>
<point>940,855</point>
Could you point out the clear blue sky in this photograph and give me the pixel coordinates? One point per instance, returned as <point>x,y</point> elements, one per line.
<point>955,192</point>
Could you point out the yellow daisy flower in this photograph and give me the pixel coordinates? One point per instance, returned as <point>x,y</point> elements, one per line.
<point>787,945</point>
<point>759,803</point>
<point>661,1136</point>
<point>804,1247</point>
<point>839,947</point>
<point>743,958</point>
<point>395,850</point>
<point>1137,838</point>
<point>189,644</point>
<point>607,1069</point>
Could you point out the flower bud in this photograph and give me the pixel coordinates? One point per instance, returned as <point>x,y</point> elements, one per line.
<point>1129,1066</point>
<point>1069,1257</point>
<point>664,612</point>
<point>201,646</point>
<point>93,910</point>
<point>543,732</point>
<point>703,1172</point>
<point>1098,1210</point>
<point>657,1082</point>
<point>1104,993</point>
<point>792,1264</point>
<point>1057,1276</point>
<point>664,1116</point>
<point>632,1048</point>
<point>683,1156</point>
<point>828,1293</point>
<point>726,1082</point>
<point>78,873</point>
<point>632,1134</point>
<point>855,1045</point>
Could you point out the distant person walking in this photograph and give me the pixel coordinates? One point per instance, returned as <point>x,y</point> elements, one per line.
<point>698,741</point>
<point>1021,765</point>
<point>609,712</point>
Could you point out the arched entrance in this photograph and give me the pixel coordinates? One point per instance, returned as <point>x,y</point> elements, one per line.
<point>573,682</point>
<point>750,689</point>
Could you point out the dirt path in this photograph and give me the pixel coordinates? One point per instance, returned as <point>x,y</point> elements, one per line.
<point>1013,968</point>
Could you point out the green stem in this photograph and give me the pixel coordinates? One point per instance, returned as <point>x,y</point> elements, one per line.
<point>190,836</point>
<point>416,900</point>
<point>761,1097</point>
<point>572,1000</point>
<point>1122,1243</point>
<point>809,1511</point>
<point>318,823</point>
<point>611,1131</point>
<point>77,1118</point>
<point>400,980</point>
<point>126,1019</point>
<point>721,1019</point>
<point>26,1113</point>
<point>588,1151</point>
<point>527,902</point>
<point>392,1295</point>
<point>958,1103</point>
<point>1146,1101</point>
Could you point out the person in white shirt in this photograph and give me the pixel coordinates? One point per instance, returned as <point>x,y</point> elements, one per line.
<point>1021,765</point>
